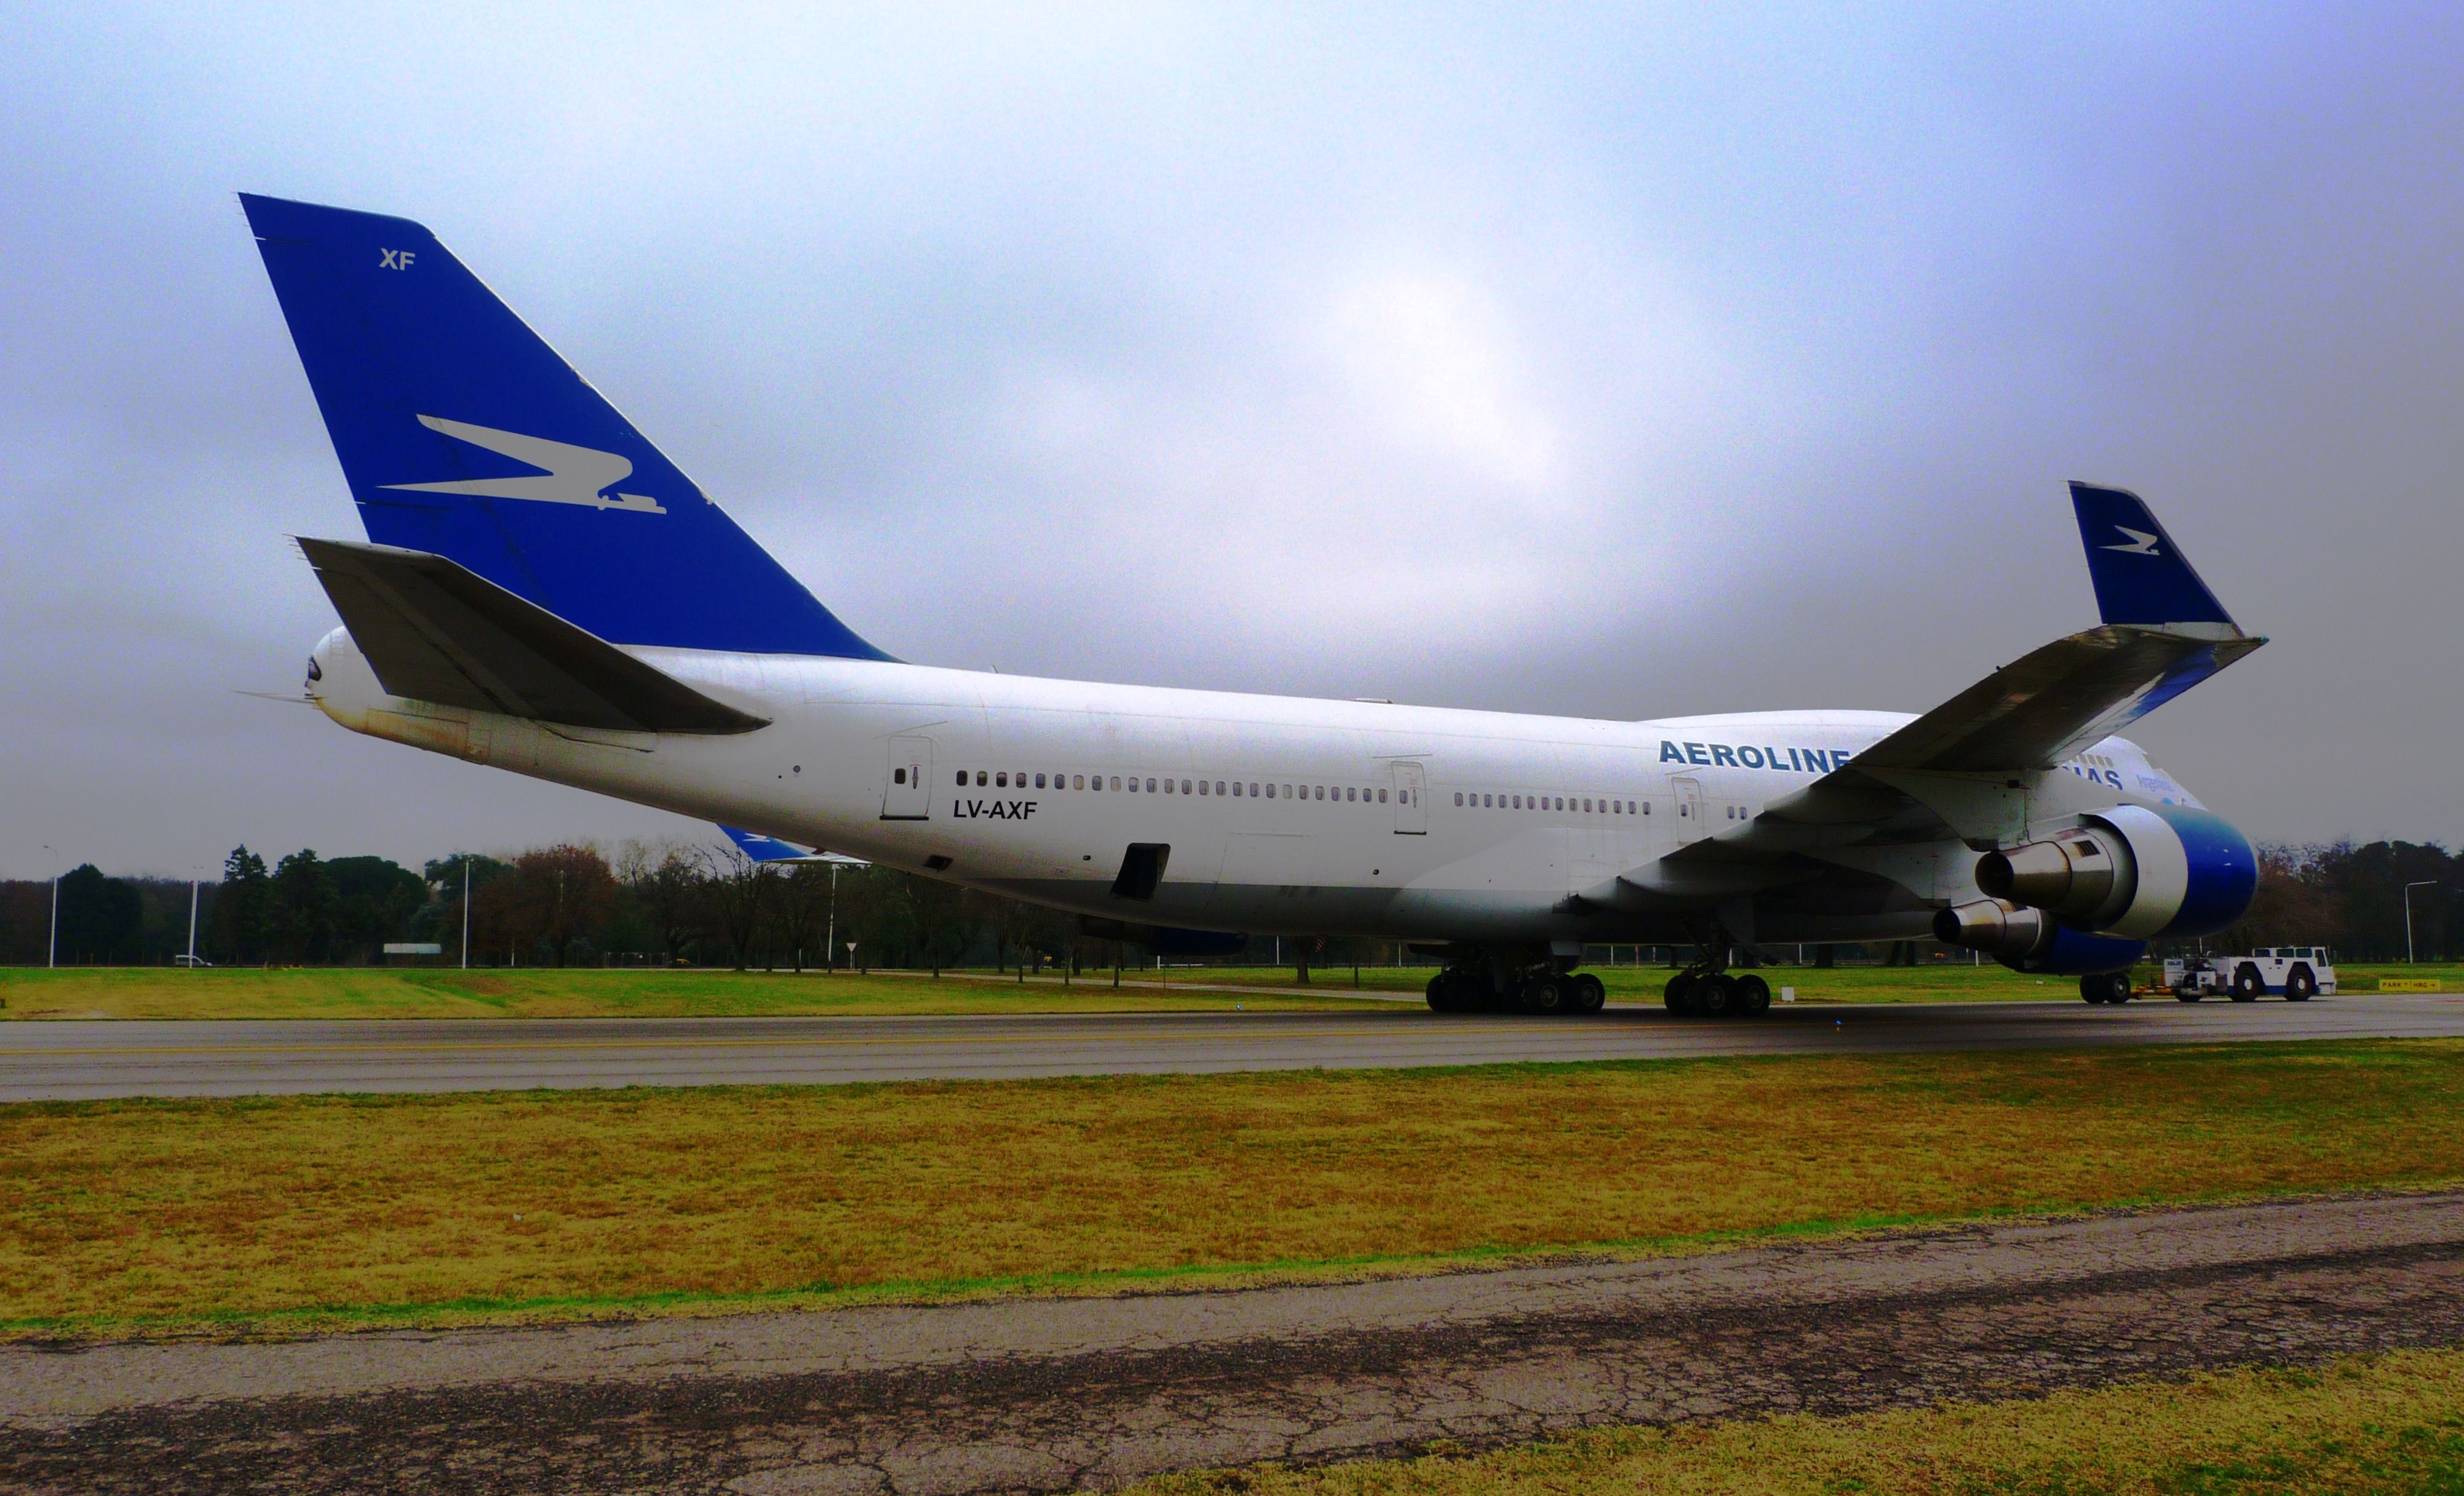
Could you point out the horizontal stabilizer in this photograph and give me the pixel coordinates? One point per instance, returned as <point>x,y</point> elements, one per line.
<point>2054,701</point>
<point>436,632</point>
<point>761,849</point>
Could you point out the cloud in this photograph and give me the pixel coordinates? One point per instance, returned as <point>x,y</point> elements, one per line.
<point>1595,360</point>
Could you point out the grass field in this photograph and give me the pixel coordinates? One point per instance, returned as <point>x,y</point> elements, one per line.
<point>2388,1425</point>
<point>155,992</point>
<point>378,991</point>
<point>293,1211</point>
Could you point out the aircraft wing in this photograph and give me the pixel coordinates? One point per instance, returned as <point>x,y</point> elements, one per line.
<point>1957,769</point>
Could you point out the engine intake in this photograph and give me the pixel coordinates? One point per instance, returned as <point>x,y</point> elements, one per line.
<point>2133,871</point>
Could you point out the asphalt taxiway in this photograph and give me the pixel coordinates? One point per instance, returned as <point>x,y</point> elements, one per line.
<point>84,1059</point>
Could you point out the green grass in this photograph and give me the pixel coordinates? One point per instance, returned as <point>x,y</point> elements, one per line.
<point>2388,1425</point>
<point>161,1217</point>
<point>432,992</point>
<point>140,991</point>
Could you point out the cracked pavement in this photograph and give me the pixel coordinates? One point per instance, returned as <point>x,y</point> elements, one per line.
<point>1057,1394</point>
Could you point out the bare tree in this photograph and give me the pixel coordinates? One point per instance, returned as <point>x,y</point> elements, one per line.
<point>665,881</point>
<point>739,891</point>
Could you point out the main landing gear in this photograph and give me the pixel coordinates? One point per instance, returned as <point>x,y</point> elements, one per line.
<point>1699,992</point>
<point>1542,992</point>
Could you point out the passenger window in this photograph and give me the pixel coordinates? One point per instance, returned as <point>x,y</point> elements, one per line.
<point>962,778</point>
<point>1184,786</point>
<point>1201,786</point>
<point>1116,781</point>
<point>1039,781</point>
<point>1351,794</point>
<point>898,776</point>
<point>1253,789</point>
<point>1001,780</point>
<point>1381,797</point>
<point>1320,792</point>
<point>980,778</point>
<point>1079,782</point>
<point>1150,786</point>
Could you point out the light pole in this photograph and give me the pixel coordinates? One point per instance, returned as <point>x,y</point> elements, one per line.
<point>192,922</point>
<point>51,953</point>
<point>466,911</point>
<point>2425,883</point>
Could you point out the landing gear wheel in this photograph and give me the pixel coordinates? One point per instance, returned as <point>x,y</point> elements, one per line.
<point>1441,997</point>
<point>2117,989</point>
<point>1715,996</point>
<point>2092,989</point>
<point>1678,995</point>
<point>1544,997</point>
<point>2248,984</point>
<point>2299,985</point>
<point>1590,996</point>
<point>1754,997</point>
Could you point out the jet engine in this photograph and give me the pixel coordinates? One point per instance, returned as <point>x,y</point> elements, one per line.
<point>2095,892</point>
<point>2032,941</point>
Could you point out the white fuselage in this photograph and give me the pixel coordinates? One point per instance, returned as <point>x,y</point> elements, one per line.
<point>1281,814</point>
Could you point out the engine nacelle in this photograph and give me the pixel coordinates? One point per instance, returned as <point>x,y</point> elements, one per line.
<point>2134,872</point>
<point>2031,939</point>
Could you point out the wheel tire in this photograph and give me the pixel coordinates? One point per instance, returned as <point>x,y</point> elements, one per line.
<point>2117,989</point>
<point>1544,997</point>
<point>1678,995</point>
<point>1590,994</point>
<point>2092,989</point>
<point>1441,997</point>
<point>2299,985</point>
<point>2248,986</point>
<point>1716,996</point>
<point>1754,997</point>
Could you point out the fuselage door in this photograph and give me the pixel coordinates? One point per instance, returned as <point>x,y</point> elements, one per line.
<point>907,794</point>
<point>1688,794</point>
<point>1411,800</point>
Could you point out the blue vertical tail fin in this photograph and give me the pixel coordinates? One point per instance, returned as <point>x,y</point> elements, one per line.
<point>462,434</point>
<point>2140,576</point>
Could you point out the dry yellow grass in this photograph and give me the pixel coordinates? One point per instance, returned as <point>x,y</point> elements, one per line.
<point>148,1215</point>
<point>2389,1426</point>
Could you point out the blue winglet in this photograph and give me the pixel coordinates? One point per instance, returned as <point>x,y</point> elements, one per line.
<point>2140,576</point>
<point>462,434</point>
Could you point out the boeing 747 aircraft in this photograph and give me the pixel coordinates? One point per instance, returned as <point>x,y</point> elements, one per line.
<point>542,592</point>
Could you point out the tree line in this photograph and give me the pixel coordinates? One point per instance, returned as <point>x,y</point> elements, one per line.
<point>568,905</point>
<point>664,904</point>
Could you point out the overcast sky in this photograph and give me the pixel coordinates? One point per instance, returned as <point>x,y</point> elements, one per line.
<point>1627,362</point>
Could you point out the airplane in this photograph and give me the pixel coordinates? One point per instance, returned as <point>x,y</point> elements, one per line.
<point>542,592</point>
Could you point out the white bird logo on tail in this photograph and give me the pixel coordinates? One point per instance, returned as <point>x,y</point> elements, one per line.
<point>574,475</point>
<point>2141,543</point>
